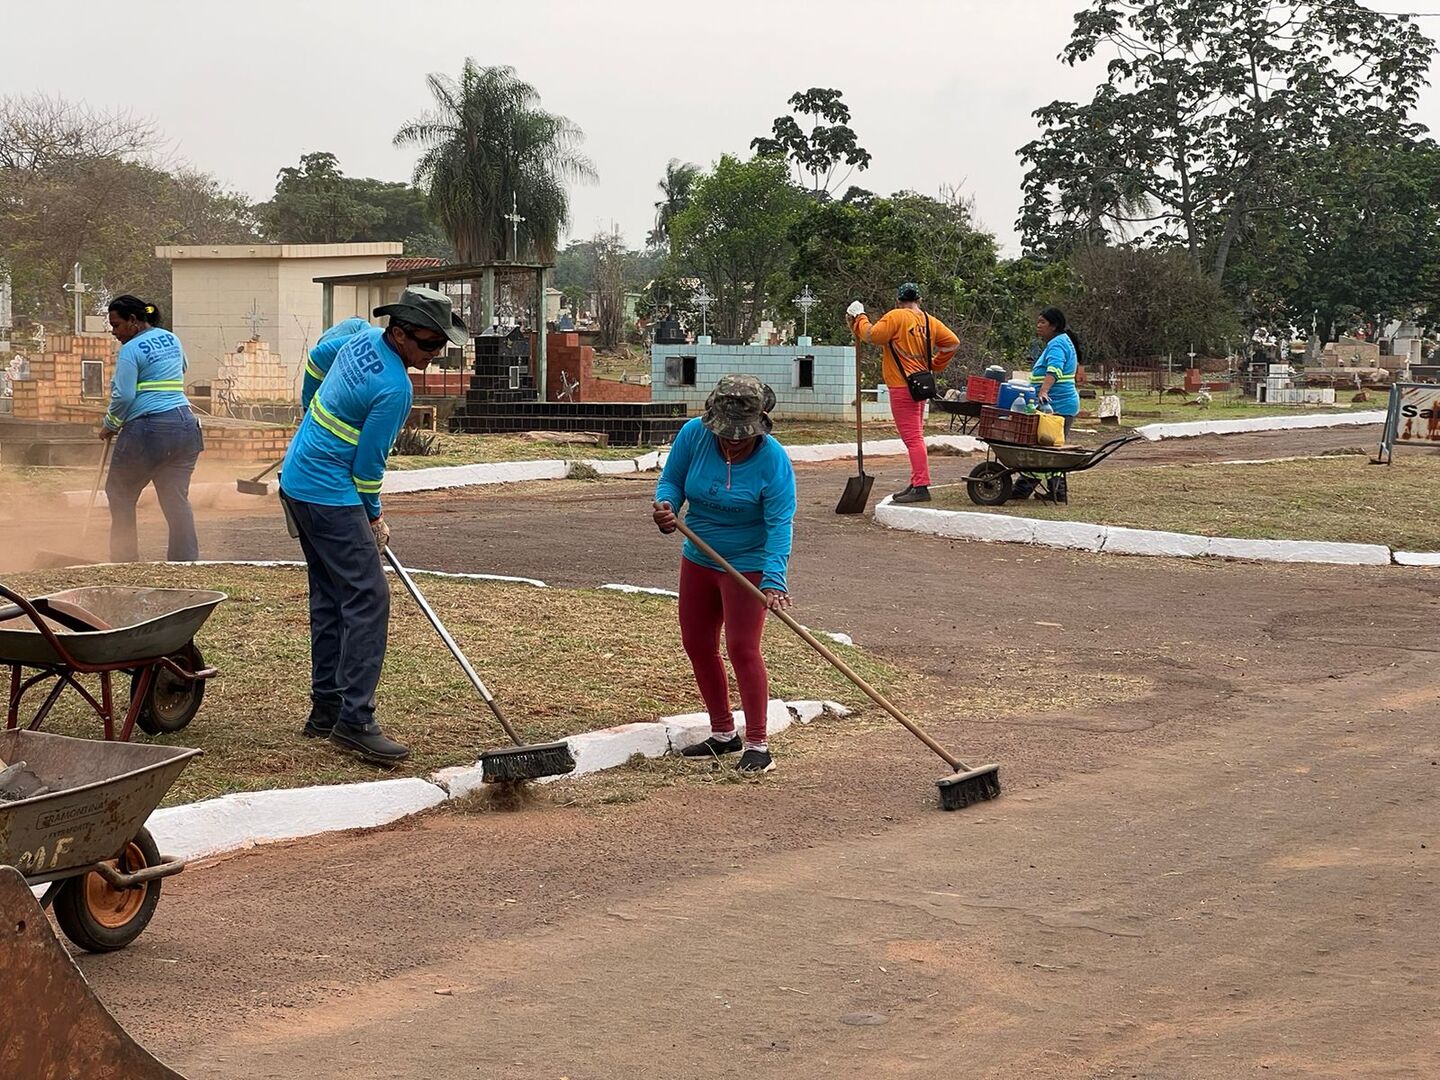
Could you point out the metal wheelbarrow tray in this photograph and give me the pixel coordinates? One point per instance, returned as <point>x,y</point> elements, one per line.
<point>146,632</point>
<point>86,835</point>
<point>992,482</point>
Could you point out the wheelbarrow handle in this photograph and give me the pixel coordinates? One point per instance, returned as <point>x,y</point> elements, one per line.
<point>166,867</point>
<point>20,606</point>
<point>1106,449</point>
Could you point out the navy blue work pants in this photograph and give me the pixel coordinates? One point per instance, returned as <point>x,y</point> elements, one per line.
<point>349,608</point>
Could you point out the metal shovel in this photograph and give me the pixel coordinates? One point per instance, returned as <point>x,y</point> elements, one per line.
<point>857,488</point>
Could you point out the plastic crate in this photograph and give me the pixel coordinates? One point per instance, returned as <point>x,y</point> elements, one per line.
<point>1006,426</point>
<point>983,390</point>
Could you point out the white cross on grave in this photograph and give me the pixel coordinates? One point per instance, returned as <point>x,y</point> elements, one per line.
<point>255,319</point>
<point>805,301</point>
<point>78,289</point>
<point>515,219</point>
<point>702,300</point>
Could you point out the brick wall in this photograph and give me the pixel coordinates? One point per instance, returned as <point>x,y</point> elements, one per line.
<point>439,383</point>
<point>564,353</point>
<point>253,373</point>
<point>55,386</point>
<point>234,443</point>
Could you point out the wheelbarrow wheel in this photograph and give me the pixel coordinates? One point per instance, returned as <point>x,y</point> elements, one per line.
<point>101,918</point>
<point>171,702</point>
<point>990,484</point>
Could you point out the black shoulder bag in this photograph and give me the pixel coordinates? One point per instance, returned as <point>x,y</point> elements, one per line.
<point>921,383</point>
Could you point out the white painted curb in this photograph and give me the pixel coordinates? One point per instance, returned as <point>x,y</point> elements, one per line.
<point>297,564</point>
<point>879,448</point>
<point>1417,558</point>
<point>244,819</point>
<point>1122,541</point>
<point>1259,423</point>
<point>967,525</point>
<point>449,476</point>
<point>641,589</point>
<point>511,472</point>
<point>595,751</point>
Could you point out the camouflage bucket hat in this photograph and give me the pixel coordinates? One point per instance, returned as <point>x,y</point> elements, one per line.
<point>738,407</point>
<point>428,309</point>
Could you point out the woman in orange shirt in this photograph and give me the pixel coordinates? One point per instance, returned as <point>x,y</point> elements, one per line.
<point>910,341</point>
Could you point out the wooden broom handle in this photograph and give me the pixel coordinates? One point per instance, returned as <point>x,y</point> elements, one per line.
<point>809,639</point>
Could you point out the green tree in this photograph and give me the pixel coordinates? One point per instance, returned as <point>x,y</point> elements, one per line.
<point>862,246</point>
<point>485,142</point>
<point>79,185</point>
<point>829,143</point>
<point>1128,303</point>
<point>734,236</point>
<point>314,203</point>
<point>1206,106</point>
<point>676,186</point>
<point>1361,244</point>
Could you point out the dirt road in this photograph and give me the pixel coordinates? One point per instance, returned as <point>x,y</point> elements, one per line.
<point>1233,875</point>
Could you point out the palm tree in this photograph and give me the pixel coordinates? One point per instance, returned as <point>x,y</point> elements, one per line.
<point>677,185</point>
<point>486,142</point>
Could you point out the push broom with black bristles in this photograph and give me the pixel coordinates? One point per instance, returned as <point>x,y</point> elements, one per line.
<point>968,785</point>
<point>512,764</point>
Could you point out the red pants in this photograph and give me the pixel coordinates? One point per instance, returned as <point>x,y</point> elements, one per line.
<point>708,601</point>
<point>909,417</point>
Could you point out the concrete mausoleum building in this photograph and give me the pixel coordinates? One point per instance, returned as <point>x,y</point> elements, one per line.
<point>228,294</point>
<point>811,382</point>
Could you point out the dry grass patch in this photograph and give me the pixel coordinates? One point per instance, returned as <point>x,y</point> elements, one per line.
<point>1329,498</point>
<point>560,661</point>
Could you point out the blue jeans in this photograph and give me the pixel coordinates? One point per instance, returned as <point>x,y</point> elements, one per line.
<point>161,449</point>
<point>349,608</point>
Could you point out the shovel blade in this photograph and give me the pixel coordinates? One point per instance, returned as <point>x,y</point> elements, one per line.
<point>857,494</point>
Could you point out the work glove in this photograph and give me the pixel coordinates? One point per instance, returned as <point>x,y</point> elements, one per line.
<point>381,531</point>
<point>855,308</point>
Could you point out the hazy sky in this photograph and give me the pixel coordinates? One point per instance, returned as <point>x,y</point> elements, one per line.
<point>941,90</point>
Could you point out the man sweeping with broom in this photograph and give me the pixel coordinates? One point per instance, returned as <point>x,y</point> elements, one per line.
<point>330,485</point>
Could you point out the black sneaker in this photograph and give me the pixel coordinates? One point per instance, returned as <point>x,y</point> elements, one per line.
<point>905,491</point>
<point>713,747</point>
<point>913,495</point>
<point>755,762</point>
<point>321,721</point>
<point>369,744</point>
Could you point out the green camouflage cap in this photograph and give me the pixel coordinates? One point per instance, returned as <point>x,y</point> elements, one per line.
<point>738,407</point>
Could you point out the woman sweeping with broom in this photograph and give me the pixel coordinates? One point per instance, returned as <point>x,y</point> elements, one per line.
<point>741,490</point>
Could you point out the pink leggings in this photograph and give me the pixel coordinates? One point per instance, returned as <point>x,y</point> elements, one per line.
<point>709,600</point>
<point>909,417</point>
